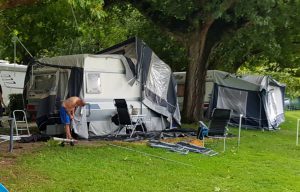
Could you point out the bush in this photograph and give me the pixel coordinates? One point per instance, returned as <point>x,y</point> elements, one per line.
<point>15,103</point>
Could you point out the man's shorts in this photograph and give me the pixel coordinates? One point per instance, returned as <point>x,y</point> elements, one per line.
<point>64,116</point>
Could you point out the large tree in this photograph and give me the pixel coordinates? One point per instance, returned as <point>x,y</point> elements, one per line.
<point>201,26</point>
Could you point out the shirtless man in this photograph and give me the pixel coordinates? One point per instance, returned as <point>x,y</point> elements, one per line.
<point>67,111</point>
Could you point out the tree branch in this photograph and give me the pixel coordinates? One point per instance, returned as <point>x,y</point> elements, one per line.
<point>9,4</point>
<point>170,25</point>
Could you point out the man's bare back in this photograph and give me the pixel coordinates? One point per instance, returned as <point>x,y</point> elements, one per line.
<point>71,103</point>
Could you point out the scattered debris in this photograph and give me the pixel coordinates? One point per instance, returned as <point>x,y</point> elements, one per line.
<point>182,147</point>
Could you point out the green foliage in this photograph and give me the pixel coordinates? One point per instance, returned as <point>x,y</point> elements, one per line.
<point>60,27</point>
<point>124,21</point>
<point>53,143</point>
<point>15,102</point>
<point>267,37</point>
<point>172,9</point>
<point>50,28</point>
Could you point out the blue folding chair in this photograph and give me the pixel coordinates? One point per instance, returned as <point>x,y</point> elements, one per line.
<point>2,188</point>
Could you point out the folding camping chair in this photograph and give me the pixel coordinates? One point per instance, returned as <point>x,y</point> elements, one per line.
<point>124,118</point>
<point>217,127</point>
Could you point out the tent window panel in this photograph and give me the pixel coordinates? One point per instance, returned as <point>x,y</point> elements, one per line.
<point>44,82</point>
<point>159,77</point>
<point>236,100</point>
<point>93,84</point>
<point>62,85</point>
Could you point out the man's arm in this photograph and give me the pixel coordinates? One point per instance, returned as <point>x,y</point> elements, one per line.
<point>72,111</point>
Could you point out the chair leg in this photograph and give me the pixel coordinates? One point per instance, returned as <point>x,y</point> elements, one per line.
<point>133,130</point>
<point>224,144</point>
<point>119,130</point>
<point>143,128</point>
<point>16,126</point>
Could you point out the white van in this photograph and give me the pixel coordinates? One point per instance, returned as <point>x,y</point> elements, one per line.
<point>11,79</point>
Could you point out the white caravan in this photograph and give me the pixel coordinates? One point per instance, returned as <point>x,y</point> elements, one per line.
<point>98,79</point>
<point>11,79</point>
<point>180,79</point>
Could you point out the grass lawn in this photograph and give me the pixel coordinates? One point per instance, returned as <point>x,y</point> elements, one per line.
<point>265,161</point>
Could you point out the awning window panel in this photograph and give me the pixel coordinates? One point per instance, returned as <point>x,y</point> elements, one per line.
<point>233,99</point>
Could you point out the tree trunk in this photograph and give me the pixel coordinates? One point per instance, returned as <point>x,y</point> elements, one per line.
<point>199,45</point>
<point>195,77</point>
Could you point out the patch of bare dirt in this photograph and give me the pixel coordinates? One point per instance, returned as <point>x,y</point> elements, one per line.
<point>19,149</point>
<point>9,158</point>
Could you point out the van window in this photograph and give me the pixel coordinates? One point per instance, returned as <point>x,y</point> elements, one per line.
<point>93,85</point>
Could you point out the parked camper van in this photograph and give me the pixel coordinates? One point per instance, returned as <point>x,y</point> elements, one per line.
<point>98,79</point>
<point>11,79</point>
<point>180,79</point>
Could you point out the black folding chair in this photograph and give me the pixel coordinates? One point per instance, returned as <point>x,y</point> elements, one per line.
<point>124,118</point>
<point>217,127</point>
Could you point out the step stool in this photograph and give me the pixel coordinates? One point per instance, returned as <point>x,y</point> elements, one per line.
<point>24,120</point>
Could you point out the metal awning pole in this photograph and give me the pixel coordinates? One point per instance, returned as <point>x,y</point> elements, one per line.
<point>297,135</point>
<point>11,137</point>
<point>140,72</point>
<point>15,47</point>
<point>240,127</point>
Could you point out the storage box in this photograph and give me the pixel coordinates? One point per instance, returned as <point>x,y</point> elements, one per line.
<point>57,129</point>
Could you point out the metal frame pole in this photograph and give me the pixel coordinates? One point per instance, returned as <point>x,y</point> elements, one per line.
<point>15,48</point>
<point>297,134</point>
<point>240,127</point>
<point>11,137</point>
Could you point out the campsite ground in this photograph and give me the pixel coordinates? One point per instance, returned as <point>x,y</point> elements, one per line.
<point>265,161</point>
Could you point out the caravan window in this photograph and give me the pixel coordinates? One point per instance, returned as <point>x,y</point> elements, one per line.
<point>44,82</point>
<point>93,83</point>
